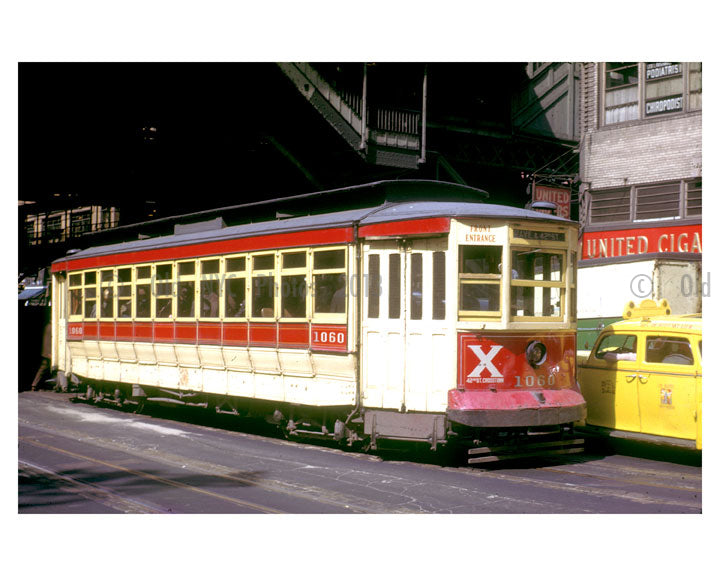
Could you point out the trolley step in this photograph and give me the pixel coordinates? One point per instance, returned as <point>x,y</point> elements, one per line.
<point>525,450</point>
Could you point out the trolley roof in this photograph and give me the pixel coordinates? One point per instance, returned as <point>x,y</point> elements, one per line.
<point>396,208</point>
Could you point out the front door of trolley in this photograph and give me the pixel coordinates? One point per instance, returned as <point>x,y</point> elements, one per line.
<point>406,352</point>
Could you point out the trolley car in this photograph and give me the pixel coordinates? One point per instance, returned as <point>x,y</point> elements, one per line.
<point>426,316</point>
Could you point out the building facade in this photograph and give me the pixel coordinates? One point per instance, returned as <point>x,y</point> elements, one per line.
<point>640,186</point>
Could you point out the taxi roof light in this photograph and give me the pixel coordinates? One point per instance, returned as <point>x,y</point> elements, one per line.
<point>646,309</point>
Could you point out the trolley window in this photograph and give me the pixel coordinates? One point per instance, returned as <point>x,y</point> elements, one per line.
<point>329,281</point>
<point>374,286</point>
<point>124,293</point>
<point>235,264</point>
<point>75,282</point>
<point>416,286</point>
<point>480,269</point>
<point>394,291</point>
<point>142,291</point>
<point>163,290</point>
<point>210,288</point>
<point>107,300</point>
<point>235,287</point>
<point>262,286</point>
<point>90,293</point>
<point>235,297</point>
<point>438,285</point>
<point>186,290</point>
<point>293,285</point>
<point>537,286</point>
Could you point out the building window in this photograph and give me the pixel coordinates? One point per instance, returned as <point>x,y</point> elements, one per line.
<point>663,88</point>
<point>695,82</point>
<point>54,229</point>
<point>670,201</point>
<point>639,90</point>
<point>658,202</point>
<point>81,223</point>
<point>621,92</point>
<point>693,198</point>
<point>30,231</point>
<point>610,206</point>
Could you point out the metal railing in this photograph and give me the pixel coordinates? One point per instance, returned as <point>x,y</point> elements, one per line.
<point>400,121</point>
<point>44,234</point>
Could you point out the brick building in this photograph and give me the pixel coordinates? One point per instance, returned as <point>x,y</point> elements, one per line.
<point>640,186</point>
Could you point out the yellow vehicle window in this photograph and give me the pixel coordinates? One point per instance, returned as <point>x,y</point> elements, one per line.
<point>616,347</point>
<point>668,350</point>
<point>480,268</point>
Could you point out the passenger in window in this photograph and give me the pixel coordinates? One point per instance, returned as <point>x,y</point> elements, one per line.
<point>106,308</point>
<point>337,304</point>
<point>323,293</point>
<point>164,308</point>
<point>234,304</point>
<point>76,303</point>
<point>210,300</point>
<point>294,296</point>
<point>143,302</point>
<point>186,300</point>
<point>263,303</point>
<point>124,311</point>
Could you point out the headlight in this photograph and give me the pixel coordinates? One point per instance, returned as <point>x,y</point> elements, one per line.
<point>536,353</point>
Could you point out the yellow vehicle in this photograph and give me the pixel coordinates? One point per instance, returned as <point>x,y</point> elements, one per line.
<point>643,378</point>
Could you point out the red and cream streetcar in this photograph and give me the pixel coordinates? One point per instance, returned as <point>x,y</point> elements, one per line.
<point>426,316</point>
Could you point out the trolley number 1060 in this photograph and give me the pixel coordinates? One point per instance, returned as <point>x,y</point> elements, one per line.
<point>531,381</point>
<point>322,336</point>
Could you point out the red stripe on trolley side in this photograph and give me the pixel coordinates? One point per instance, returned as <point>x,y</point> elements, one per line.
<point>164,331</point>
<point>186,333</point>
<point>406,228</point>
<point>235,334</point>
<point>269,242</point>
<point>294,335</point>
<point>209,333</point>
<point>106,331</point>
<point>320,337</point>
<point>263,334</point>
<point>90,330</point>
<point>143,331</point>
<point>124,331</point>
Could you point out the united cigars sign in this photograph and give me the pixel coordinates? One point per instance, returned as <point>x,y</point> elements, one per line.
<point>559,196</point>
<point>615,243</point>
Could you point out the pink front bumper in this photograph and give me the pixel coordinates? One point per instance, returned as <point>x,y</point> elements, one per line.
<point>509,409</point>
